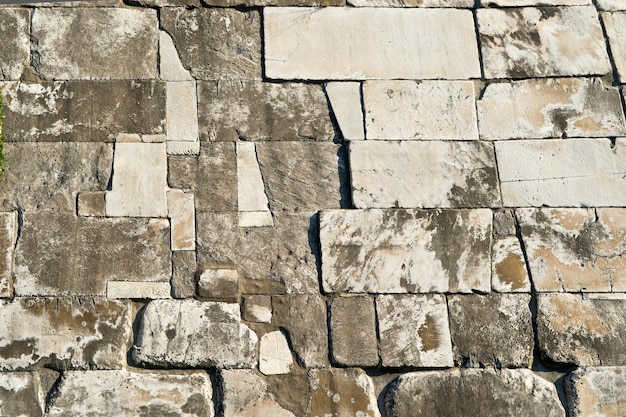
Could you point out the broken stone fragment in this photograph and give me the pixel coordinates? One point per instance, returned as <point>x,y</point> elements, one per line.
<point>219,282</point>
<point>8,239</point>
<point>15,47</point>
<point>353,345</point>
<point>274,354</point>
<point>597,391</point>
<point>508,266</point>
<point>341,392</point>
<point>244,394</point>
<point>21,394</point>
<point>170,67</point>
<point>251,198</point>
<point>345,101</point>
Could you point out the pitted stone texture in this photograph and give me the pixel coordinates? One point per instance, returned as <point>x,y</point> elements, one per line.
<point>91,204</point>
<point>613,23</point>
<point>508,266</point>
<point>64,333</point>
<point>274,354</point>
<point>82,111</point>
<point>611,5</point>
<point>215,43</point>
<point>67,255</point>
<point>364,43</point>
<point>257,308</point>
<point>597,391</point>
<point>494,345</point>
<point>477,392</point>
<point>182,111</point>
<point>255,111</point>
<point>245,394</point>
<point>536,42</point>
<point>550,108</point>
<point>181,211</point>
<point>15,48</point>
<point>353,331</point>
<point>414,331</point>
<point>95,43</point>
<point>423,174</point>
<point>128,394</point>
<point>398,251</point>
<point>170,67</point>
<point>138,290</point>
<point>193,334</point>
<point>21,394</point>
<point>213,177</point>
<point>581,332</point>
<point>412,3</point>
<point>183,274</point>
<point>575,249</point>
<point>341,393</point>
<point>8,238</point>
<point>420,110</point>
<point>345,101</point>
<point>562,173</point>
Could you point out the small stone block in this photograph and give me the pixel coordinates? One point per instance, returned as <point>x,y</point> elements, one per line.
<point>217,282</point>
<point>157,138</point>
<point>255,219</point>
<point>345,100</point>
<point>181,211</point>
<point>508,267</point>
<point>597,391</point>
<point>342,392</point>
<point>138,290</point>
<point>183,274</point>
<point>8,238</point>
<point>128,138</point>
<point>257,308</point>
<point>91,204</point>
<point>274,354</point>
<point>353,345</point>
<point>183,148</point>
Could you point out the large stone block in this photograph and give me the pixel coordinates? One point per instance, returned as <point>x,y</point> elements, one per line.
<point>95,43</point>
<point>477,392</point>
<point>597,391</point>
<point>255,110</point>
<point>364,43</point>
<point>21,394</point>
<point>613,23</point>
<point>193,334</point>
<point>82,111</point>
<point>353,345</point>
<point>216,43</point>
<point>382,251</point>
<point>8,238</point>
<point>67,255</point>
<point>128,394</point>
<point>581,331</point>
<point>536,42</point>
<point>15,48</point>
<point>423,174</point>
<point>562,173</point>
<point>341,392</point>
<point>64,333</point>
<point>244,393</point>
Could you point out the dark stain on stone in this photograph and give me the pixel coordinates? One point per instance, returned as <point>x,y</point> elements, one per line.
<point>512,271</point>
<point>170,333</point>
<point>346,256</point>
<point>429,334</point>
<point>195,405</point>
<point>549,12</point>
<point>153,410</point>
<point>560,120</point>
<point>289,390</point>
<point>18,348</point>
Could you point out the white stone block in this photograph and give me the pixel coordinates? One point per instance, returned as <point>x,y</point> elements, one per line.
<point>182,111</point>
<point>183,148</point>
<point>182,213</point>
<point>251,196</point>
<point>170,67</point>
<point>611,5</point>
<point>8,238</point>
<point>345,100</point>
<point>138,290</point>
<point>614,25</point>
<point>412,3</point>
<point>274,354</point>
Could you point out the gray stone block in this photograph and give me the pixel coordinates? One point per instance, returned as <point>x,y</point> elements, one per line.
<point>21,394</point>
<point>15,47</point>
<point>183,274</point>
<point>353,331</point>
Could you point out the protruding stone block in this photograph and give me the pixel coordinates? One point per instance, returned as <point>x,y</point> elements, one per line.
<point>597,391</point>
<point>91,204</point>
<point>219,282</point>
<point>15,48</point>
<point>182,111</point>
<point>274,354</point>
<point>182,214</point>
<point>345,101</point>
<point>341,392</point>
<point>508,266</point>
<point>21,394</point>
<point>257,308</point>
<point>138,290</point>
<point>245,393</point>
<point>251,196</point>
<point>170,67</point>
<point>8,239</point>
<point>353,331</point>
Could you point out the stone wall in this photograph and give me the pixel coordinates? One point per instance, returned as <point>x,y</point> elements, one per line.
<point>380,208</point>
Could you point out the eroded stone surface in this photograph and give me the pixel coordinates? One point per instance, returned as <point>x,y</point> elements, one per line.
<point>21,394</point>
<point>613,23</point>
<point>345,100</point>
<point>406,250</point>
<point>274,354</point>
<point>363,43</point>
<point>508,266</point>
<point>597,391</point>
<point>341,392</point>
<point>423,174</point>
<point>64,333</point>
<point>353,344</point>
<point>536,42</point>
<point>181,211</point>
<point>247,394</point>
<point>8,238</point>
<point>15,48</point>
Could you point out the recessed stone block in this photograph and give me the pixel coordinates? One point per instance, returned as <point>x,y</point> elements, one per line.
<point>21,394</point>
<point>597,391</point>
<point>341,392</point>
<point>353,331</point>
<point>8,238</point>
<point>15,48</point>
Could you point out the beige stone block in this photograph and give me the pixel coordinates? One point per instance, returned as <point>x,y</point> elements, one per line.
<point>255,219</point>
<point>247,394</point>
<point>611,5</point>
<point>518,3</point>
<point>138,290</point>
<point>597,391</point>
<point>91,204</point>
<point>250,189</point>
<point>345,100</point>
<point>183,148</point>
<point>8,239</point>
<point>412,3</point>
<point>274,354</point>
<point>353,331</point>
<point>508,267</point>
<point>342,392</point>
<point>219,282</point>
<point>170,67</point>
<point>181,111</point>
<point>182,214</point>
<point>614,24</point>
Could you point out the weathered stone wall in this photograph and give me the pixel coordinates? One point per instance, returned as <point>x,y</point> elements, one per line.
<point>379,208</point>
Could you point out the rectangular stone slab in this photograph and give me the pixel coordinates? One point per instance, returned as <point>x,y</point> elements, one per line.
<point>15,47</point>
<point>363,43</point>
<point>8,237</point>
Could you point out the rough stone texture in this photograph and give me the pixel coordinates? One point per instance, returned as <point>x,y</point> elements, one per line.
<point>349,44</point>
<point>613,23</point>
<point>82,111</point>
<point>504,223</point>
<point>353,331</point>
<point>341,392</point>
<point>478,392</point>
<point>597,392</point>
<point>562,173</point>
<point>257,308</point>
<point>254,111</point>
<point>214,43</point>
<point>21,394</point>
<point>406,250</point>
<point>246,394</point>
<point>274,354</point>
<point>138,290</point>
<point>414,331</point>
<point>251,198</point>
<point>517,3</point>
<point>550,108</point>
<point>611,5</point>
<point>95,43</point>
<point>185,147</point>
<point>481,329</point>
<point>423,174</point>
<point>15,48</point>
<point>181,211</point>
<point>8,238</point>
<point>345,101</point>
<point>91,204</point>
<point>183,274</point>
<point>212,177</point>
<point>536,42</point>
<point>67,255</point>
<point>129,394</point>
<point>420,110</point>
<point>64,333</point>
<point>182,111</point>
<point>170,67</point>
<point>219,282</point>
<point>412,3</point>
<point>508,266</point>
<point>190,334</point>
<point>182,171</point>
<point>582,332</point>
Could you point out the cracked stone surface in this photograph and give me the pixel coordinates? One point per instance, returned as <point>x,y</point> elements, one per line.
<point>21,394</point>
<point>15,48</point>
<point>597,391</point>
<point>613,23</point>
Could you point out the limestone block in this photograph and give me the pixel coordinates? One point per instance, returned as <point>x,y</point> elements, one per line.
<point>261,218</point>
<point>478,392</point>
<point>517,3</point>
<point>341,392</point>
<point>216,43</point>
<point>508,266</point>
<point>494,345</point>
<point>604,296</point>
<point>257,308</point>
<point>138,290</point>
<point>213,178</point>
<point>364,43</point>
<point>257,111</point>
<point>398,251</point>
<point>140,181</point>
<point>250,188</point>
<point>156,138</point>
<point>64,333</point>
<point>282,3</point>
<point>353,331</point>
<point>414,331</point>
<point>95,43</point>
<point>8,238</point>
<point>181,211</point>
<point>21,394</point>
<point>423,174</point>
<point>536,42</point>
<point>182,171</point>
<point>190,334</point>
<point>165,3</point>
<point>15,48</point>
<point>412,3</point>
<point>597,391</point>
<point>345,101</point>
<point>91,204</point>
<point>170,67</point>
<point>420,110</point>
<point>581,332</point>
<point>550,108</point>
<point>60,254</point>
<point>274,354</point>
<point>611,5</point>
<point>183,274</point>
<point>183,147</point>
<point>127,394</point>
<point>182,111</point>
<point>562,173</point>
<point>613,23</point>
<point>128,138</point>
<point>244,393</point>
<point>81,111</point>
<point>504,223</point>
<point>219,282</point>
